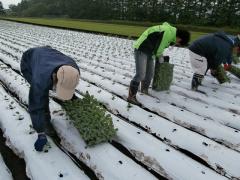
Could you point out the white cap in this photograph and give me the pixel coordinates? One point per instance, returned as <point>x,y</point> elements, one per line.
<point>67,80</point>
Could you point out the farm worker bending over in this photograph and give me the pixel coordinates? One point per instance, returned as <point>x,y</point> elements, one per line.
<point>210,51</point>
<point>47,69</point>
<point>150,45</point>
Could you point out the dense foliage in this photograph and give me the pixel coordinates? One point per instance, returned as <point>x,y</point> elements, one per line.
<point>1,8</point>
<point>199,12</point>
<point>221,75</point>
<point>90,118</point>
<point>235,71</point>
<point>236,59</point>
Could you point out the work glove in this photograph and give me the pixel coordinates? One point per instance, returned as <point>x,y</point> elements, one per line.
<point>196,81</point>
<point>166,58</point>
<point>227,67</point>
<point>74,97</point>
<point>40,142</point>
<point>162,59</point>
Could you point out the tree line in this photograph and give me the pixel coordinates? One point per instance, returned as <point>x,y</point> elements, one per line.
<point>196,12</point>
<point>1,9</point>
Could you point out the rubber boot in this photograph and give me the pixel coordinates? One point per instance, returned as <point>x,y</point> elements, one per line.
<point>196,81</point>
<point>133,92</point>
<point>144,87</point>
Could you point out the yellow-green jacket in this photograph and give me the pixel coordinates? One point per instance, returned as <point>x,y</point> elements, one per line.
<point>155,39</point>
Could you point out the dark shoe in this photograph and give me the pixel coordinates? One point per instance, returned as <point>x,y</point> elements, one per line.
<point>196,81</point>
<point>144,87</point>
<point>133,92</point>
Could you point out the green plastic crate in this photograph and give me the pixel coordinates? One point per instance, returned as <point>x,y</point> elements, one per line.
<point>163,76</point>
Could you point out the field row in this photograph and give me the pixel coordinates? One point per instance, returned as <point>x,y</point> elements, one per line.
<point>164,122</point>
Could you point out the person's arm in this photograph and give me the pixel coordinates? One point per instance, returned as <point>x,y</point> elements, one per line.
<point>222,56</point>
<point>38,99</point>
<point>164,43</point>
<point>228,64</point>
<point>230,59</point>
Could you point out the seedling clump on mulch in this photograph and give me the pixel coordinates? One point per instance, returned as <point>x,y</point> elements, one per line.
<point>91,120</point>
<point>221,75</point>
<point>236,59</point>
<point>235,71</point>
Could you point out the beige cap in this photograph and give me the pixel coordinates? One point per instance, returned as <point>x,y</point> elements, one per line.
<point>67,80</point>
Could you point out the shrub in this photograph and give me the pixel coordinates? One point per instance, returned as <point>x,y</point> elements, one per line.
<point>235,71</point>
<point>221,75</point>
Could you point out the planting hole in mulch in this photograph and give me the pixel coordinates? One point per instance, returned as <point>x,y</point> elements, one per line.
<point>120,162</point>
<point>205,144</point>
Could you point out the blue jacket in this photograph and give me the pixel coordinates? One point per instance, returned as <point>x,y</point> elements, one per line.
<point>37,66</point>
<point>217,48</point>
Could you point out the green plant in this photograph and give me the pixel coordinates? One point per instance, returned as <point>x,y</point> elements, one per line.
<point>221,75</point>
<point>236,59</point>
<point>129,106</point>
<point>113,97</point>
<point>235,71</point>
<point>90,118</point>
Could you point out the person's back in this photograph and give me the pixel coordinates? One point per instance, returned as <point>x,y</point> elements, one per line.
<point>216,48</point>
<point>42,62</point>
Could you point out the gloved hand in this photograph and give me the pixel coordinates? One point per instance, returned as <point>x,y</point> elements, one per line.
<point>166,58</point>
<point>74,97</point>
<point>40,142</point>
<point>227,67</point>
<point>196,81</point>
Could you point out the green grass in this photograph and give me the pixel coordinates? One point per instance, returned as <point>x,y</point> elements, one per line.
<point>109,28</point>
